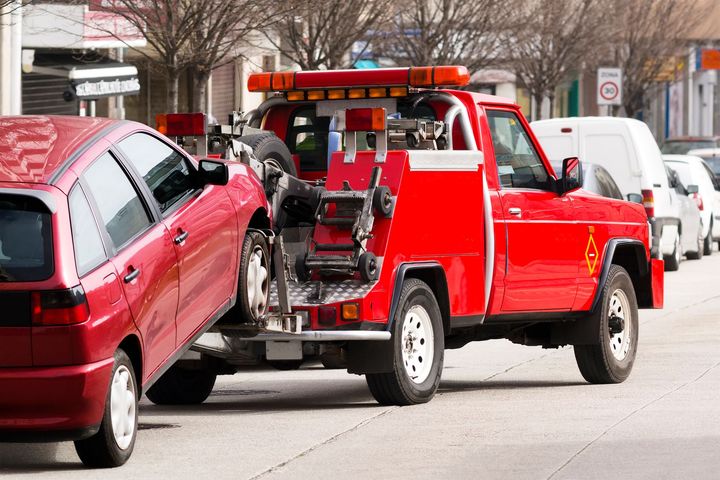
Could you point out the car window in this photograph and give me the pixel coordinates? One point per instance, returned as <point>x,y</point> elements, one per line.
<point>122,212</point>
<point>519,165</point>
<point>612,188</point>
<point>713,178</point>
<point>26,253</point>
<point>89,250</point>
<point>165,171</point>
<point>682,147</point>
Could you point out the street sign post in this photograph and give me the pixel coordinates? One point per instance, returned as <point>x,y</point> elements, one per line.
<point>609,90</point>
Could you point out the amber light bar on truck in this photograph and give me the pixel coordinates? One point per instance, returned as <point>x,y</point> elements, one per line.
<point>352,84</point>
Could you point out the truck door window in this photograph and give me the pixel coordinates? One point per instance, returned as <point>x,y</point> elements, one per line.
<point>307,137</point>
<point>519,165</point>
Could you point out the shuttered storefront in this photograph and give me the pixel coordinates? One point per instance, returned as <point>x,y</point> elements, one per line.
<point>43,94</point>
<point>223,92</point>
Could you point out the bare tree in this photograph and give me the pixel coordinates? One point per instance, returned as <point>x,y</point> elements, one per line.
<point>319,34</point>
<point>192,34</point>
<point>559,37</point>
<point>652,31</point>
<point>444,32</point>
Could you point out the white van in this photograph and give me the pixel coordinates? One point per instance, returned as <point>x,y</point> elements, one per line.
<point>627,149</point>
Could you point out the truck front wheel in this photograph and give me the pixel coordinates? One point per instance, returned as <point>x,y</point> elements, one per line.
<point>418,349</point>
<point>611,359</point>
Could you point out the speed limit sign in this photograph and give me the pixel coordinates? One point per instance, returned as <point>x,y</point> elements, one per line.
<point>609,86</point>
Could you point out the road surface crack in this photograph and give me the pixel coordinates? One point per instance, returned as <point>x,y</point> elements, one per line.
<point>626,417</point>
<point>324,442</point>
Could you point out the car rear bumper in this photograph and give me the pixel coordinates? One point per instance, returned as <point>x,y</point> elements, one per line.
<point>657,272</point>
<point>53,403</point>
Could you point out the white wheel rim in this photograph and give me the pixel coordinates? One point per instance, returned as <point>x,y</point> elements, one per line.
<point>123,407</point>
<point>257,282</point>
<point>417,344</point>
<point>620,342</point>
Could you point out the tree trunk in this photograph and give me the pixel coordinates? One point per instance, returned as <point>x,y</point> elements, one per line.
<point>173,87</point>
<point>200,82</point>
<point>537,99</point>
<point>551,113</point>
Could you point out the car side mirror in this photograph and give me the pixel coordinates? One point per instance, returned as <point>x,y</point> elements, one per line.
<point>635,198</point>
<point>213,172</point>
<point>572,175</point>
<point>692,189</point>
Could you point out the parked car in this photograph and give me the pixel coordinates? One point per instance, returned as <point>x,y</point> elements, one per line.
<point>596,180</point>
<point>711,157</point>
<point>117,251</point>
<point>682,145</point>
<point>694,170</point>
<point>690,239</point>
<point>627,150</point>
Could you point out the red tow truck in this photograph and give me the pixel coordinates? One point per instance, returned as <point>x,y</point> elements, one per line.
<point>410,218</point>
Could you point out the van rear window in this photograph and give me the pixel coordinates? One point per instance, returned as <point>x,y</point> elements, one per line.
<point>25,240</point>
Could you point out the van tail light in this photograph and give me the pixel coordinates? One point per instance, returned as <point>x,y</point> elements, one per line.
<point>649,202</point>
<point>699,201</point>
<point>59,307</point>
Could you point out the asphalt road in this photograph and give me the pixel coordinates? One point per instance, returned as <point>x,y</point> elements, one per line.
<point>503,411</point>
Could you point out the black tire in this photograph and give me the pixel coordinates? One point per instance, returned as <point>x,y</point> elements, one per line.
<point>708,243</point>
<point>597,362</point>
<point>382,201</point>
<point>267,147</point>
<point>285,365</point>
<point>698,254</point>
<point>102,449</point>
<point>672,262</point>
<point>368,267</point>
<point>182,386</point>
<point>397,387</point>
<point>249,309</point>
<point>301,271</point>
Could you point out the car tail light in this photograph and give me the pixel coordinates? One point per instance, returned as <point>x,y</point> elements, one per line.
<point>181,124</point>
<point>699,201</point>
<point>365,119</point>
<point>649,202</point>
<point>59,307</point>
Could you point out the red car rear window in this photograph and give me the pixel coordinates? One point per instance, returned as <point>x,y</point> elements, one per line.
<point>25,240</point>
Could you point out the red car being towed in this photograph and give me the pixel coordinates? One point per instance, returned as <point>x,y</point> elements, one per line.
<point>117,250</point>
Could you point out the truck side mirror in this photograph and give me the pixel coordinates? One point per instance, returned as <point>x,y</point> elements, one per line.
<point>572,175</point>
<point>692,189</point>
<point>635,198</point>
<point>213,172</point>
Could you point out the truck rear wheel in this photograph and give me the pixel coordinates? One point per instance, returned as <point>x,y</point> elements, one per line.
<point>183,386</point>
<point>611,359</point>
<point>418,349</point>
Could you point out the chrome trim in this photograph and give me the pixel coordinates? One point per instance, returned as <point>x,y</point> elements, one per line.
<point>323,336</point>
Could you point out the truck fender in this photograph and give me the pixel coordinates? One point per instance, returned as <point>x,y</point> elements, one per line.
<point>377,357</point>
<point>631,256</point>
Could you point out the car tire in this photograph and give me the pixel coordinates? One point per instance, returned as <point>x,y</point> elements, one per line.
<point>708,243</point>
<point>268,148</point>
<point>416,371</point>
<point>113,444</point>
<point>611,358</point>
<point>672,262</point>
<point>253,279</point>
<point>698,253</point>
<point>182,386</point>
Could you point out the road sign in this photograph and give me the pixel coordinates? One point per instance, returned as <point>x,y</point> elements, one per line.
<point>609,86</point>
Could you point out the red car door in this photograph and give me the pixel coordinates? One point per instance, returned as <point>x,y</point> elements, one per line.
<point>143,257</point>
<point>202,223</point>
<point>542,235</point>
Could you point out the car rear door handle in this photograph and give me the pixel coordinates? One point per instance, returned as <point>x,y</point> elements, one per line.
<point>514,211</point>
<point>132,275</point>
<point>181,237</point>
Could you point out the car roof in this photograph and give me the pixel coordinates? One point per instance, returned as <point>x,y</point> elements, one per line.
<point>565,120</point>
<point>33,148</point>
<point>682,158</point>
<point>710,152</point>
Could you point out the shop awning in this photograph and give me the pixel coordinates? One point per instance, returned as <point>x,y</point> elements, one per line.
<point>90,77</point>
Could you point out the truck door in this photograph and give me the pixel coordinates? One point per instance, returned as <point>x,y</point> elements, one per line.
<point>542,236</point>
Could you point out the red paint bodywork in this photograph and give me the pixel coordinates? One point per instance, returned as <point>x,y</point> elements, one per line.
<point>54,379</point>
<point>540,257</point>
